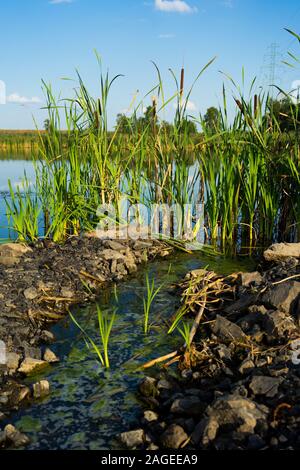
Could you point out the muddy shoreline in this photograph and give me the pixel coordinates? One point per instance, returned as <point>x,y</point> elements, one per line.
<point>239,386</point>
<point>39,283</point>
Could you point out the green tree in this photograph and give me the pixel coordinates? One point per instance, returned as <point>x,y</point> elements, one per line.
<point>212,120</point>
<point>123,123</point>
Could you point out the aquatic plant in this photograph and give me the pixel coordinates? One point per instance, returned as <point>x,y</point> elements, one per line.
<point>105,324</point>
<point>185,331</point>
<point>148,300</point>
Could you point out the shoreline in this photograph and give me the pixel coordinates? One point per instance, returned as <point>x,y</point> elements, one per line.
<point>38,285</point>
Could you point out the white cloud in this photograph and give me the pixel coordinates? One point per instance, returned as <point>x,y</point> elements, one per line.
<point>227,3</point>
<point>18,99</point>
<point>190,106</point>
<point>58,2</point>
<point>177,6</point>
<point>166,36</point>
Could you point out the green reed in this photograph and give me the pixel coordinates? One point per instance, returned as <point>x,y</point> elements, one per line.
<point>244,170</point>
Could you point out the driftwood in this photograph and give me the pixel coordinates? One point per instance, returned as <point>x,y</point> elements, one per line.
<point>199,291</point>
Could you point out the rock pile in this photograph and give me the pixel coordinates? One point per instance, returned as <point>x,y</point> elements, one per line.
<point>243,391</point>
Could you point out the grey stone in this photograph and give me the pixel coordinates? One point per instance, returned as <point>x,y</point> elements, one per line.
<point>148,387</point>
<point>31,293</point>
<point>264,385</point>
<point>227,330</point>
<point>282,251</point>
<point>30,366</point>
<point>278,324</point>
<point>50,357</point>
<point>246,367</point>
<point>10,253</point>
<point>150,416</point>
<point>110,255</point>
<point>133,439</point>
<point>248,279</point>
<point>241,413</point>
<point>12,361</point>
<point>15,437</point>
<point>41,389</point>
<point>283,297</point>
<point>188,406</point>
<point>173,437</point>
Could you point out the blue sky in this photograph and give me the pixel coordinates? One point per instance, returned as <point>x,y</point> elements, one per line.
<point>49,39</point>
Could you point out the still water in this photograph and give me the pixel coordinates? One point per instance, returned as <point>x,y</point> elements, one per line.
<point>12,167</point>
<point>88,406</point>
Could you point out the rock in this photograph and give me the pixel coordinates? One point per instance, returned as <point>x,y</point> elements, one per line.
<point>188,406</point>
<point>67,293</point>
<point>282,251</point>
<point>264,385</point>
<point>113,245</point>
<point>150,416</point>
<point>15,437</point>
<point>152,447</point>
<point>31,366</point>
<point>164,384</point>
<point>148,387</point>
<point>31,293</point>
<point>246,367</point>
<point>255,442</point>
<point>248,279</point>
<point>110,255</point>
<point>241,304</point>
<point>130,266</point>
<point>226,330</point>
<point>50,357</point>
<point>224,352</point>
<point>41,389</point>
<point>278,324</point>
<point>133,439</point>
<point>12,361</point>
<point>231,410</point>
<point>10,253</point>
<point>173,437</point>
<point>283,296</point>
<point>47,336</point>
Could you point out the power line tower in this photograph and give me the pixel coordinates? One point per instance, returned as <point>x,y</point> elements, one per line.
<point>270,72</point>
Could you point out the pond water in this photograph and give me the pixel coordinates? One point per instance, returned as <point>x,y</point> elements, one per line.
<point>13,167</point>
<point>88,406</point>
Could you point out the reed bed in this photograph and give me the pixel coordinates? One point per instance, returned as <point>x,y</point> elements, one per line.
<point>245,172</point>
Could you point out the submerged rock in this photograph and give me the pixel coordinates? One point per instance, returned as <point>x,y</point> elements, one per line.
<point>50,357</point>
<point>148,387</point>
<point>41,389</point>
<point>30,366</point>
<point>15,437</point>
